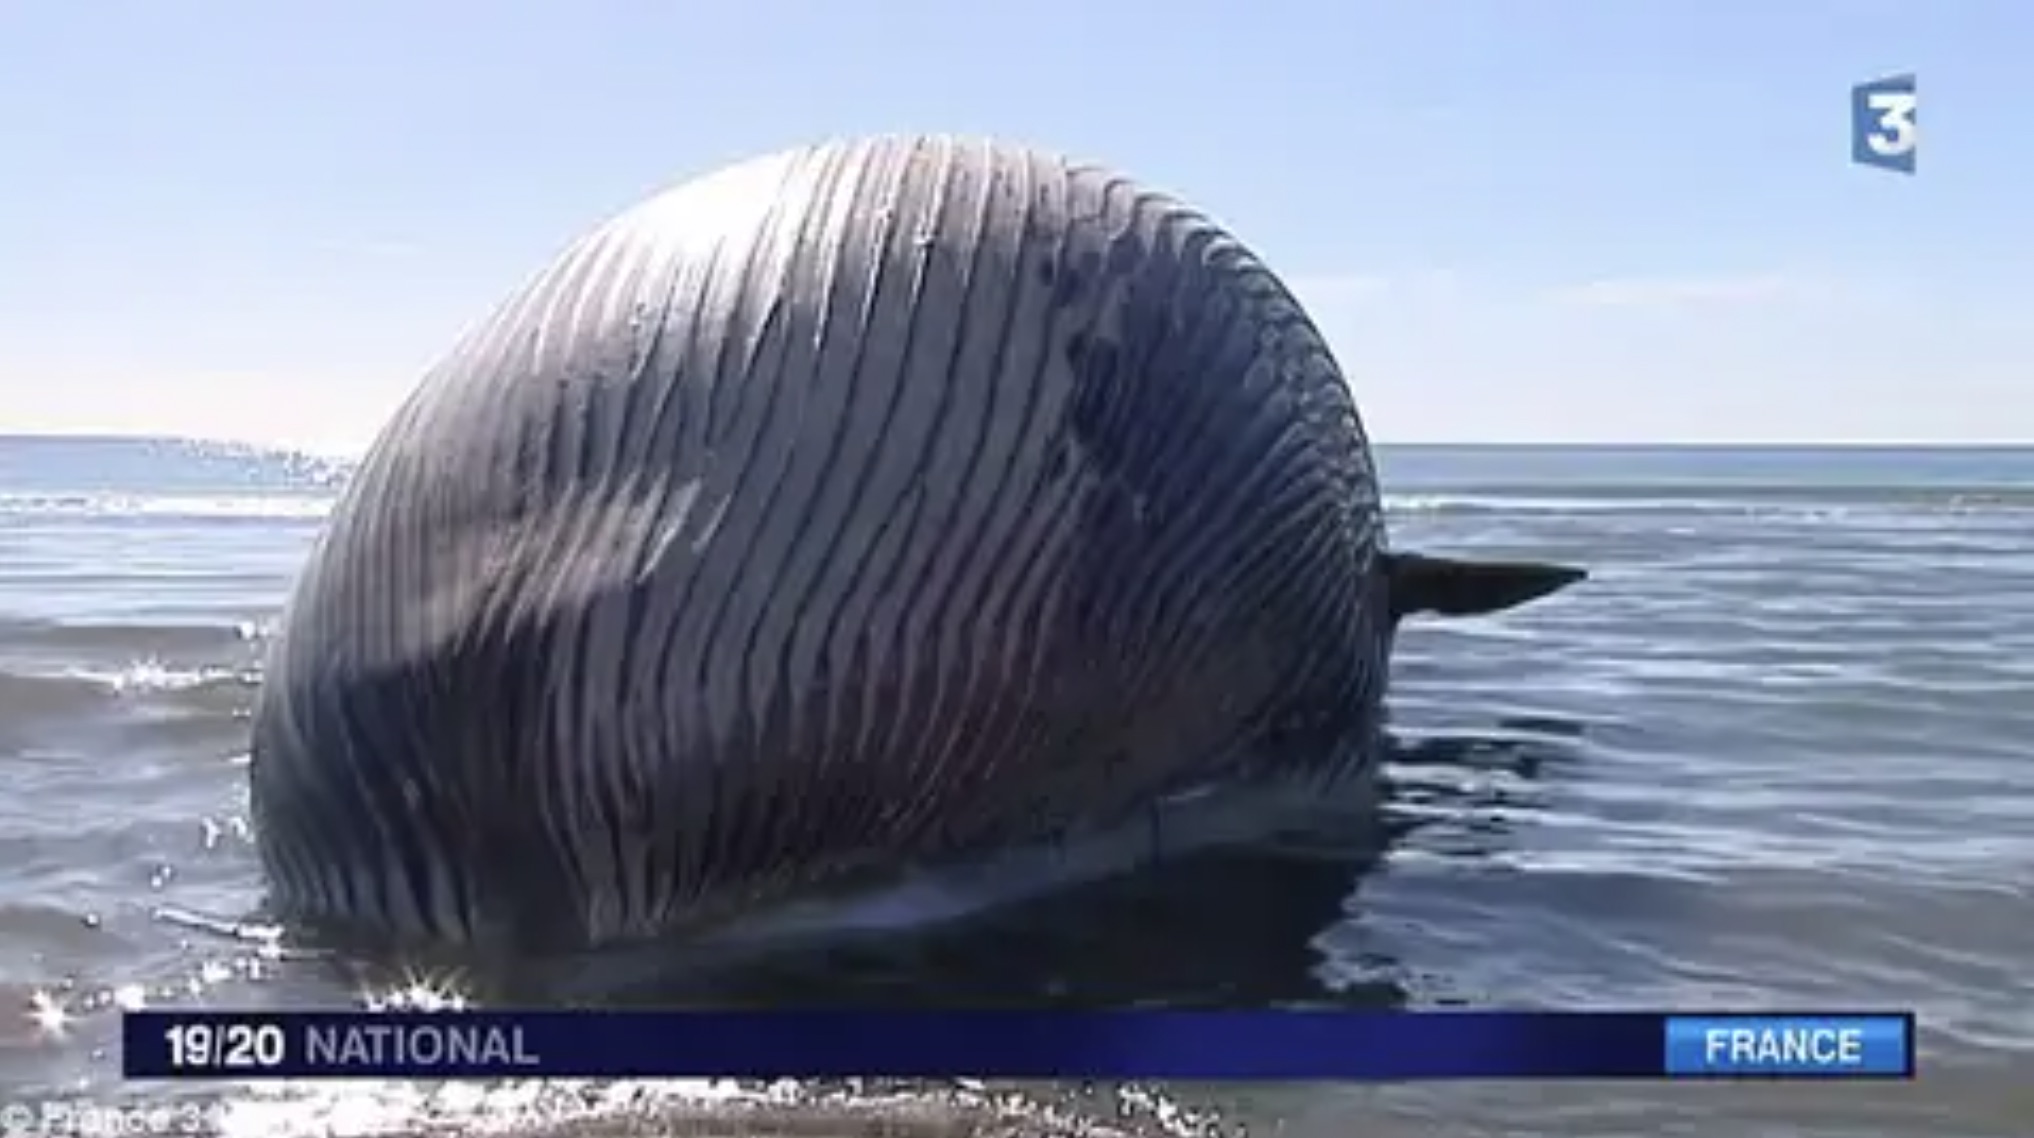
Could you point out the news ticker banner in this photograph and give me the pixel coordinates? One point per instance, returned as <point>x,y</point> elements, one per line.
<point>1018,1045</point>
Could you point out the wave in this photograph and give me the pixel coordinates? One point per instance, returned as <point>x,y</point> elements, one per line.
<point>144,639</point>
<point>46,692</point>
<point>1795,501</point>
<point>169,507</point>
<point>155,676</point>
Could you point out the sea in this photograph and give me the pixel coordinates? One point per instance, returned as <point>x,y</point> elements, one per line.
<point>1777,752</point>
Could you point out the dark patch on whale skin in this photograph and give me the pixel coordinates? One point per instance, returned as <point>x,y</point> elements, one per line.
<point>920,497</point>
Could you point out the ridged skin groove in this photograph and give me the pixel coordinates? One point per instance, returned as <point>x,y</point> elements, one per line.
<point>850,508</point>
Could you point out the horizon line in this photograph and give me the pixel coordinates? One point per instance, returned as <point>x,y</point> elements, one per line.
<point>88,436</point>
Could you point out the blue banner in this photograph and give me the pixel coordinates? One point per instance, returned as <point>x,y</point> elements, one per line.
<point>1016,1045</point>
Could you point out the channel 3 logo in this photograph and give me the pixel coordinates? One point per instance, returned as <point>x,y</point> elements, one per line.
<point>1882,124</point>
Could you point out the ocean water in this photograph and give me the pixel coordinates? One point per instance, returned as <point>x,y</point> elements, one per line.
<point>1779,751</point>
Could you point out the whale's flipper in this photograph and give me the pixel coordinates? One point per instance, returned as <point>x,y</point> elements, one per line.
<point>1468,588</point>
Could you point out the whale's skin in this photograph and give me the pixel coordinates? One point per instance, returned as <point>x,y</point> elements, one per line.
<point>856,507</point>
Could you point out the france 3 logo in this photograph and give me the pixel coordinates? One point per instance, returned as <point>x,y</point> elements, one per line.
<point>1882,124</point>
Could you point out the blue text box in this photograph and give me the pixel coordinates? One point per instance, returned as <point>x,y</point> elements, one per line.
<point>1791,1046</point>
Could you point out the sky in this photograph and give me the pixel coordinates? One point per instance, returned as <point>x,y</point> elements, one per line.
<point>1515,220</point>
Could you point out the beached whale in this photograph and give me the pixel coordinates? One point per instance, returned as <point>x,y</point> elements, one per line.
<point>853,513</point>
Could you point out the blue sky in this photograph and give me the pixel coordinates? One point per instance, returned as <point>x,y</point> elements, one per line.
<point>1534,220</point>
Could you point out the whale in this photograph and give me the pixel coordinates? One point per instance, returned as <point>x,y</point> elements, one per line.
<point>850,533</point>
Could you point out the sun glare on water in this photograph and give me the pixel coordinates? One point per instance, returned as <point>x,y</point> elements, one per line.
<point>47,1013</point>
<point>417,992</point>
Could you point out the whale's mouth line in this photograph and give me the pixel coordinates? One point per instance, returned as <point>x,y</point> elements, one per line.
<point>1199,818</point>
<point>925,897</point>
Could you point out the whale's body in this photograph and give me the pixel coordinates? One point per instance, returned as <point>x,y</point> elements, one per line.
<point>891,503</point>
